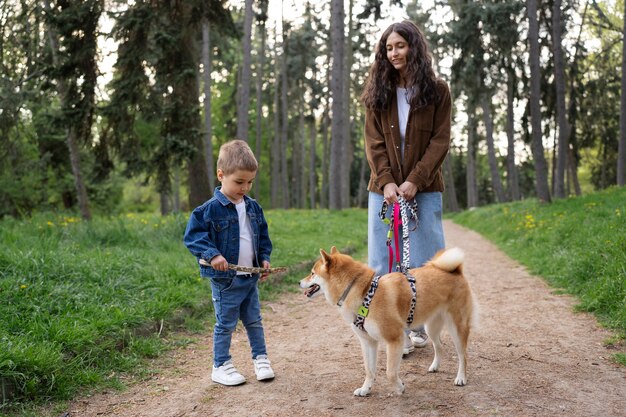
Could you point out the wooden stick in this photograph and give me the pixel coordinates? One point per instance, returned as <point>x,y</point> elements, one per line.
<point>250,269</point>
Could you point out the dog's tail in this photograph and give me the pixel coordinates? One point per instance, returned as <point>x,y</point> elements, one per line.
<point>449,260</point>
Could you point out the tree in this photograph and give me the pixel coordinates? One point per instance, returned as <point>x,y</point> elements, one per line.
<point>276,148</point>
<point>541,170</point>
<point>559,80</point>
<point>206,78</point>
<point>621,153</point>
<point>338,146</point>
<point>72,33</point>
<point>472,191</point>
<point>284,127</point>
<point>512,177</point>
<point>243,91</point>
<point>261,18</point>
<point>162,39</point>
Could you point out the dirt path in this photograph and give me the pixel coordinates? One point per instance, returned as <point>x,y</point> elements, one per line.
<point>531,356</point>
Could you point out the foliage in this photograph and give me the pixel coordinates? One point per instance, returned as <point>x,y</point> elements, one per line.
<point>577,244</point>
<point>83,303</point>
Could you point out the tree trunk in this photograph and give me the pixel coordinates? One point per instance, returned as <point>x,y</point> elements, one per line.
<point>284,134</point>
<point>259,93</point>
<point>512,177</point>
<point>276,151</point>
<point>572,159</point>
<point>361,196</point>
<point>187,91</point>
<point>472,191</point>
<point>337,153</point>
<point>297,157</point>
<point>541,170</point>
<point>491,151</point>
<point>243,90</point>
<point>324,192</point>
<point>176,191</point>
<point>208,127</point>
<point>573,167</point>
<point>621,148</point>
<point>312,163</point>
<point>452,204</point>
<point>347,142</point>
<point>559,79</point>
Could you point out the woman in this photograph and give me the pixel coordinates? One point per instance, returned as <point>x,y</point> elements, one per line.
<point>407,137</point>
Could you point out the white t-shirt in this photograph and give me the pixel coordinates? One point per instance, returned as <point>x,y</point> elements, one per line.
<point>403,115</point>
<point>246,248</point>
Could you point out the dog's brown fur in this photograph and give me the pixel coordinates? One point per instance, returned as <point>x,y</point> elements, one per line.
<point>443,296</point>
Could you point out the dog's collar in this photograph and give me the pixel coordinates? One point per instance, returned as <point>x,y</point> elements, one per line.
<point>345,293</point>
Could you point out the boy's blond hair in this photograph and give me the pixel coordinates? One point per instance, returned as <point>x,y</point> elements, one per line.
<point>236,155</point>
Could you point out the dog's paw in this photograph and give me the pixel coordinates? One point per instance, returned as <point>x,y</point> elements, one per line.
<point>399,389</point>
<point>362,392</point>
<point>433,368</point>
<point>460,381</point>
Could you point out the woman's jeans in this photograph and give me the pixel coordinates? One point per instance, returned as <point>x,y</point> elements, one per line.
<point>234,299</point>
<point>424,241</point>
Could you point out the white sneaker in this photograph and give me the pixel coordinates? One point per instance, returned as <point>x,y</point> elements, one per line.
<point>227,374</point>
<point>262,368</point>
<point>408,346</point>
<point>419,340</point>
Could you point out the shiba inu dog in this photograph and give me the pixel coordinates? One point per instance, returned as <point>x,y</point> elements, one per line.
<point>443,297</point>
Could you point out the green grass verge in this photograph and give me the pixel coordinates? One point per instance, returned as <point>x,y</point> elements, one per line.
<point>577,244</point>
<point>83,302</point>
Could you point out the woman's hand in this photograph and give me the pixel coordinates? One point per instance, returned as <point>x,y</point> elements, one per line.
<point>390,193</point>
<point>407,190</point>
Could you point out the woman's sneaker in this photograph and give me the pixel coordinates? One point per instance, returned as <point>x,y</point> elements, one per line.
<point>262,368</point>
<point>408,346</point>
<point>227,374</point>
<point>419,339</point>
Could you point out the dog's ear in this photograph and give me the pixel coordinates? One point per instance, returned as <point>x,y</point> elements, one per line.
<point>333,250</point>
<point>325,256</point>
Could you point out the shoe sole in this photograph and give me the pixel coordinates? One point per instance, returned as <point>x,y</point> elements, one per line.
<point>420,345</point>
<point>266,378</point>
<point>229,384</point>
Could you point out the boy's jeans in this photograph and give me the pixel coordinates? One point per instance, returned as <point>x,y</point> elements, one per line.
<point>235,299</point>
<point>424,241</point>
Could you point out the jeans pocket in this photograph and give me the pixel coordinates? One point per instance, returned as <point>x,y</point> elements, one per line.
<point>218,286</point>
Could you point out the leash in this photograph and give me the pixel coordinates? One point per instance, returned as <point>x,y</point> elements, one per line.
<point>400,217</point>
<point>405,254</point>
<point>249,269</point>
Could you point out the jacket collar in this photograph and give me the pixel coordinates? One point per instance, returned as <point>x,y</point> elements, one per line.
<point>217,194</point>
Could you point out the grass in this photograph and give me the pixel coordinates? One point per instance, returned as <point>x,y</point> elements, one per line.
<point>85,302</point>
<point>577,244</point>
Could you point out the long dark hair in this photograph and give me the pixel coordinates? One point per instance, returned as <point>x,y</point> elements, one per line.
<point>421,81</point>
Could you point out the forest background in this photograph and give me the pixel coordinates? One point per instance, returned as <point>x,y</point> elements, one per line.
<point>112,106</point>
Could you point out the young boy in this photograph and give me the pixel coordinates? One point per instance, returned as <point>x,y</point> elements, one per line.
<point>231,228</point>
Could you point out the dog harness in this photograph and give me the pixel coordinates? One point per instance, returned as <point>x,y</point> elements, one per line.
<point>363,310</point>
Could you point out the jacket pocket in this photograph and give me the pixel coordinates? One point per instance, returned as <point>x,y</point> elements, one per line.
<point>424,119</point>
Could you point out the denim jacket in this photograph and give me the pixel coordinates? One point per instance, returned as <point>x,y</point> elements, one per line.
<point>213,229</point>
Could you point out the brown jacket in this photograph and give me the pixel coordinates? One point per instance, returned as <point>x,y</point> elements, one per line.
<point>427,141</point>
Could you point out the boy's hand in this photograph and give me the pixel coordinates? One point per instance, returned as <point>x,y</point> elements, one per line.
<point>265,274</point>
<point>219,263</point>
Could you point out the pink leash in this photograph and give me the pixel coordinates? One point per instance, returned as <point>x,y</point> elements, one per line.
<point>397,221</point>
